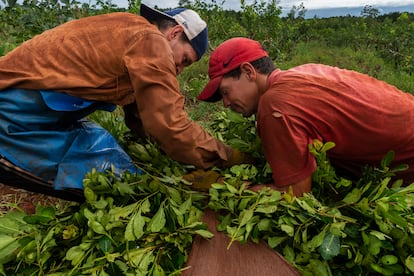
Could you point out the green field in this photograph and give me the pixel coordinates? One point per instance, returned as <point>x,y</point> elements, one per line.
<point>144,225</point>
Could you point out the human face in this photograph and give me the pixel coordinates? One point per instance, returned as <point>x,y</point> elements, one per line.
<point>241,94</point>
<point>184,53</point>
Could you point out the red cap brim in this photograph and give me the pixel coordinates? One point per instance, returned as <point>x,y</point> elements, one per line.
<point>210,93</point>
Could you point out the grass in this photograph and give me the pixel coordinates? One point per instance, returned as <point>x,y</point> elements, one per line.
<point>362,61</point>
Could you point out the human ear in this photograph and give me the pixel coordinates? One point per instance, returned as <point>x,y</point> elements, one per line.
<point>176,31</point>
<point>249,70</point>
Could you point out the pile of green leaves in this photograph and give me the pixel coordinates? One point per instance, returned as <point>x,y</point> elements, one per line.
<point>144,224</point>
<point>240,133</point>
<point>358,228</point>
<point>134,225</point>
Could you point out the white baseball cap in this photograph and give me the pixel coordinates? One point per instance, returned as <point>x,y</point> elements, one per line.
<point>195,28</point>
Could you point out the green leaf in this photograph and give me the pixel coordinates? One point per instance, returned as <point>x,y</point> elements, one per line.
<point>265,224</point>
<point>97,227</point>
<point>353,196</point>
<point>105,244</point>
<point>158,270</point>
<point>383,270</point>
<point>243,203</point>
<point>245,216</point>
<point>409,263</point>
<point>288,229</point>
<point>249,227</point>
<point>158,220</point>
<point>186,206</point>
<point>381,188</point>
<point>123,212</point>
<point>146,261</point>
<point>275,196</point>
<point>327,146</point>
<point>204,233</point>
<point>317,240</point>
<point>374,245</point>
<point>289,253</point>
<point>337,228</point>
<point>124,188</point>
<point>8,245</point>
<point>88,214</point>
<point>37,219</point>
<point>135,256</point>
<point>129,231</point>
<point>145,206</point>
<point>100,204</point>
<point>275,241</point>
<point>396,218</point>
<point>138,225</point>
<point>46,211</point>
<point>174,194</point>
<point>75,254</point>
<point>49,240</point>
<point>400,168</point>
<point>379,235</point>
<point>305,206</point>
<point>218,186</point>
<point>330,246</point>
<point>266,209</point>
<point>386,161</point>
<point>319,268</point>
<point>231,188</point>
<point>9,226</point>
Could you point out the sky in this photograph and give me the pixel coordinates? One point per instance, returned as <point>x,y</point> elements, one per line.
<point>287,4</point>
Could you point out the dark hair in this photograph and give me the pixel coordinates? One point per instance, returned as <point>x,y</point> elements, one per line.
<point>262,65</point>
<point>163,24</point>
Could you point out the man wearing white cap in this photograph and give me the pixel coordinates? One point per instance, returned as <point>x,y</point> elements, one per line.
<point>50,83</point>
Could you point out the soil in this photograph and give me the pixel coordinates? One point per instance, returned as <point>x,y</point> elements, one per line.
<point>12,198</point>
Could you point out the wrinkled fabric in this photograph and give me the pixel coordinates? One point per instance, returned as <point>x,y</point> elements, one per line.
<point>118,58</point>
<point>63,154</point>
<point>366,118</point>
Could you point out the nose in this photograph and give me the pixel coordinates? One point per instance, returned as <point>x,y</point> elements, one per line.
<point>226,102</point>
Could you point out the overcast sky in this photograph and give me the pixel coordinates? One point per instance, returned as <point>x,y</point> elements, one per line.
<point>287,4</point>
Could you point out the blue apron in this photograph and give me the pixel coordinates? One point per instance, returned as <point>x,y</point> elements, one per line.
<point>45,133</point>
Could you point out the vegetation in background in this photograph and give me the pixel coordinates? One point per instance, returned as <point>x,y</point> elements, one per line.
<point>382,43</point>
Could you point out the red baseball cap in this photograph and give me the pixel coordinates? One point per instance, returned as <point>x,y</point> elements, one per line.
<point>227,57</point>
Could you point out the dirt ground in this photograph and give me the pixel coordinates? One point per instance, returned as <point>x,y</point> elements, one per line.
<point>14,198</point>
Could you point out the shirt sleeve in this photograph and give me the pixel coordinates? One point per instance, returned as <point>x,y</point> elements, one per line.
<point>160,103</point>
<point>285,145</point>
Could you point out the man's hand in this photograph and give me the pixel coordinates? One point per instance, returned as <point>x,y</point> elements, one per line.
<point>237,158</point>
<point>201,180</point>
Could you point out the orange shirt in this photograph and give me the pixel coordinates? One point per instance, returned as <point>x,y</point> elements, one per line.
<point>118,58</point>
<point>363,116</point>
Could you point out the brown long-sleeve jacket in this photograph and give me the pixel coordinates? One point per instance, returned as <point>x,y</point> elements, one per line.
<point>118,58</point>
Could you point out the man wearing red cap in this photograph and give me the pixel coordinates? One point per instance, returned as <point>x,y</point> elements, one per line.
<point>365,117</point>
<point>50,83</point>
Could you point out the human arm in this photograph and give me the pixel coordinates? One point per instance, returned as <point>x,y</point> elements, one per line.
<point>161,106</point>
<point>285,139</point>
<point>133,121</point>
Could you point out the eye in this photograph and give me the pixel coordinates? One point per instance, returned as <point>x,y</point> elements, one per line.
<point>186,61</point>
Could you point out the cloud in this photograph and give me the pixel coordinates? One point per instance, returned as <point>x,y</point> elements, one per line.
<point>317,4</point>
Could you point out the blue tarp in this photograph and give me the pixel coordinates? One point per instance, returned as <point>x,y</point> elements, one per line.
<point>45,133</point>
